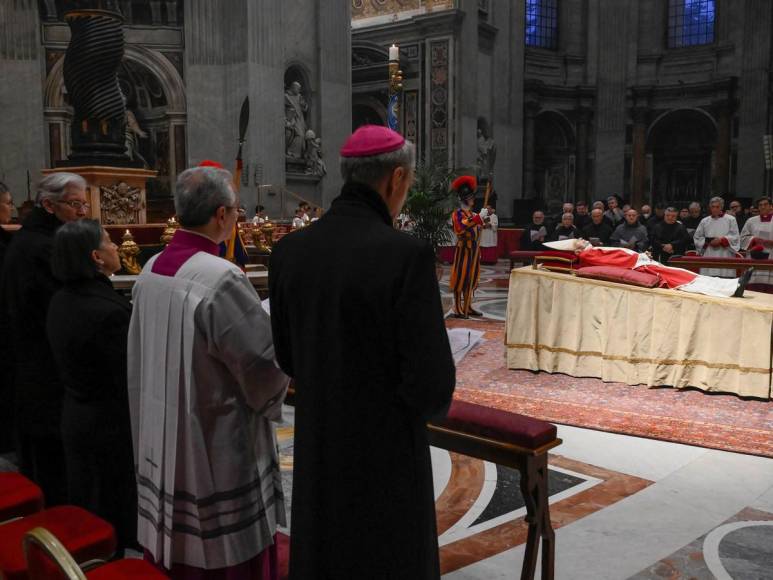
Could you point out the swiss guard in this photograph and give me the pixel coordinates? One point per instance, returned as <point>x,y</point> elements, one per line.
<point>467,227</point>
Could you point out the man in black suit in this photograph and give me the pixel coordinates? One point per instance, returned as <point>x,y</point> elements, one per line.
<point>28,286</point>
<point>357,322</point>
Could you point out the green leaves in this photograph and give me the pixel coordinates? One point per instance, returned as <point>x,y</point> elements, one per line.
<point>430,203</point>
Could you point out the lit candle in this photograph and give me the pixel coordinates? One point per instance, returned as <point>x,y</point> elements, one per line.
<point>394,52</point>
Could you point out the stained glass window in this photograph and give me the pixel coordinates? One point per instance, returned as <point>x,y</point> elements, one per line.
<point>541,23</point>
<point>690,22</point>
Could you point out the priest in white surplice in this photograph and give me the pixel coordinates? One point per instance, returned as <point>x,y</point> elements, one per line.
<point>204,389</point>
<point>717,237</point>
<point>758,232</point>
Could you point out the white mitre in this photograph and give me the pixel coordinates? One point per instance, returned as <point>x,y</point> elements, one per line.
<point>569,245</point>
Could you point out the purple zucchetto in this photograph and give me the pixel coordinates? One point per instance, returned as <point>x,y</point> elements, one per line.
<point>371,140</point>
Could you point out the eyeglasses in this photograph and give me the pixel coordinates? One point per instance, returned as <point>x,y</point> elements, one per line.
<point>76,204</point>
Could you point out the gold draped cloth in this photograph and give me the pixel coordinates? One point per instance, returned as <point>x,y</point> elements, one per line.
<point>588,328</point>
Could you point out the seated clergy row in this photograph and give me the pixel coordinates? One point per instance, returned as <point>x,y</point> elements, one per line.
<point>716,235</point>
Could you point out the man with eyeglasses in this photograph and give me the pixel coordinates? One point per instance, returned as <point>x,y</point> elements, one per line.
<point>27,288</point>
<point>736,210</point>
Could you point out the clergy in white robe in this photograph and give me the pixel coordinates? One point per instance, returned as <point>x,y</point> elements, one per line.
<point>488,235</point>
<point>758,231</point>
<point>717,237</point>
<point>204,389</point>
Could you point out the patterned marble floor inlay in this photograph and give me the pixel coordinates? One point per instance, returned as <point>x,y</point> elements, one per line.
<point>479,506</point>
<point>576,490</point>
<point>739,549</point>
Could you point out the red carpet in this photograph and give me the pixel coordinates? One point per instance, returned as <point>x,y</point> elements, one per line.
<point>692,417</point>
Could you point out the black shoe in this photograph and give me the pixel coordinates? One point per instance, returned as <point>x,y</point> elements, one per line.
<point>462,316</point>
<point>742,282</point>
<point>473,312</point>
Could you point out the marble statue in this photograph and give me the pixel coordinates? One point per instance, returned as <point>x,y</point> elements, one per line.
<point>296,109</point>
<point>133,134</point>
<point>314,163</point>
<point>487,153</point>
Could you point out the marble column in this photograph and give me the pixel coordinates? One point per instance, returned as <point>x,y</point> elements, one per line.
<point>530,146</point>
<point>721,182</point>
<point>21,67</point>
<point>582,115</point>
<point>755,62</point>
<point>155,12</point>
<point>639,172</point>
<point>171,12</point>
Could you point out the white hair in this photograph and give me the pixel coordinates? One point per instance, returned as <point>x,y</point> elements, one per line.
<point>717,199</point>
<point>54,186</point>
<point>199,192</point>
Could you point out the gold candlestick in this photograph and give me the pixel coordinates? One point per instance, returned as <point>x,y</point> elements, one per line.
<point>171,227</point>
<point>128,251</point>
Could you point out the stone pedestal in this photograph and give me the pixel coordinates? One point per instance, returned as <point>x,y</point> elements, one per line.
<point>117,194</point>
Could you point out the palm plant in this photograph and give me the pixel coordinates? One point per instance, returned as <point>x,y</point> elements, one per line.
<point>430,203</point>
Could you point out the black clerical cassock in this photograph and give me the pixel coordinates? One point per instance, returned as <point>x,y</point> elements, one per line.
<point>357,322</point>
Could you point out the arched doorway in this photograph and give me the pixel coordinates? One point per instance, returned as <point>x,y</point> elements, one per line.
<point>369,84</point>
<point>554,160</point>
<point>367,111</point>
<point>155,94</point>
<point>681,144</point>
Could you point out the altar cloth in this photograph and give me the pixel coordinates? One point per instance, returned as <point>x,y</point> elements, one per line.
<point>560,323</point>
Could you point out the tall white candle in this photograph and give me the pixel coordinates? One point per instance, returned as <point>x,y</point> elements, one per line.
<point>394,52</point>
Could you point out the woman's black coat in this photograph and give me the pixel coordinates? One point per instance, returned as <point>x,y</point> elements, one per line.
<point>88,324</point>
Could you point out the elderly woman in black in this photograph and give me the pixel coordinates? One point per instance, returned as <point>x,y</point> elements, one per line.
<point>87,327</point>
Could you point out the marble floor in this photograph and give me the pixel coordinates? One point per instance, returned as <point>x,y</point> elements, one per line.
<point>623,508</point>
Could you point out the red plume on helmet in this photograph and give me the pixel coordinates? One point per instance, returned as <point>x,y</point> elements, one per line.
<point>465,186</point>
<point>210,163</point>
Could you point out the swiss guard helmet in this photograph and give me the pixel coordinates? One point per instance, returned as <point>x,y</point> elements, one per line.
<point>465,187</point>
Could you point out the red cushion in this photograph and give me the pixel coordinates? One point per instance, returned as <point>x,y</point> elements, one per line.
<point>121,569</point>
<point>497,424</point>
<point>18,496</point>
<point>621,275</point>
<point>84,535</point>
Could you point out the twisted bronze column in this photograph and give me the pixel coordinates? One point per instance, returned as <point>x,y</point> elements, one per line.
<point>90,75</point>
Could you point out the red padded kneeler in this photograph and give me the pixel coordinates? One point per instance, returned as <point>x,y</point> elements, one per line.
<point>19,497</point>
<point>496,424</point>
<point>84,535</point>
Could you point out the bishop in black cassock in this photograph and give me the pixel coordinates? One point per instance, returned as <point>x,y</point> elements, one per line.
<point>358,323</point>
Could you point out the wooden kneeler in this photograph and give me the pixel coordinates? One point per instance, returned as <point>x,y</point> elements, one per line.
<point>514,441</point>
<point>511,440</point>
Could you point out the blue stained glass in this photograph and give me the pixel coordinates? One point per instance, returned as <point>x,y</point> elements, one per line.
<point>691,22</point>
<point>541,23</point>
